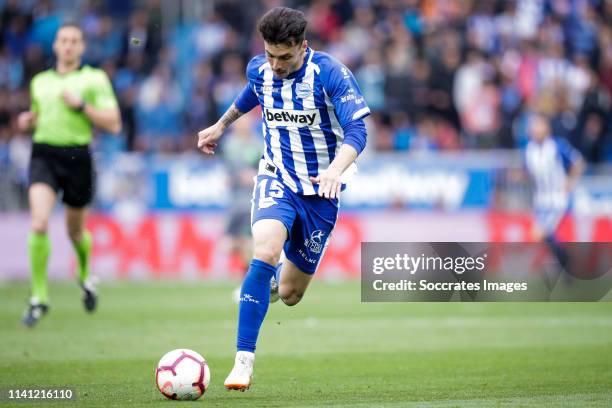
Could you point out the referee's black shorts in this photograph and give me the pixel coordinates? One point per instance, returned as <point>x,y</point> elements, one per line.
<point>67,169</point>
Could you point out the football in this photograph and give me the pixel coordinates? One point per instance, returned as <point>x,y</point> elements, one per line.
<point>182,374</point>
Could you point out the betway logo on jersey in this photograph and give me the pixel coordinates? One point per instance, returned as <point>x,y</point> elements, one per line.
<point>291,118</point>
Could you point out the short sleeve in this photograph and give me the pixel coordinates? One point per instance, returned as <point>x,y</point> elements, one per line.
<point>34,106</point>
<point>102,94</point>
<point>247,100</point>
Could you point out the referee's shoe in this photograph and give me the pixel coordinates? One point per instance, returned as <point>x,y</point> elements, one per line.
<point>90,295</point>
<point>34,313</point>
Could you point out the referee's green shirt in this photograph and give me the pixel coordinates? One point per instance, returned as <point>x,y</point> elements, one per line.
<point>57,124</point>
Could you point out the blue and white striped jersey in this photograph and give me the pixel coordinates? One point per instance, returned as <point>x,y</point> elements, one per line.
<point>303,115</point>
<point>548,162</point>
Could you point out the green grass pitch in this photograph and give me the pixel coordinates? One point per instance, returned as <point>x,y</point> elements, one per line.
<point>330,350</point>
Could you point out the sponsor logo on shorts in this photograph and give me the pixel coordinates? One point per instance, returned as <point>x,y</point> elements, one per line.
<point>315,243</point>
<point>306,257</point>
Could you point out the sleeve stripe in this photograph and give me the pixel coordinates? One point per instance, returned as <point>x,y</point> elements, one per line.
<point>361,112</point>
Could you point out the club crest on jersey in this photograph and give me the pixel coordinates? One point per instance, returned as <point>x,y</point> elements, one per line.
<point>303,90</point>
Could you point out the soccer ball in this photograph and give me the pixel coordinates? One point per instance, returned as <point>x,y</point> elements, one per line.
<point>182,374</point>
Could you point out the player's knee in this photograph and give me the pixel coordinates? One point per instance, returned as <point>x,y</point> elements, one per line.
<point>290,296</point>
<point>267,253</point>
<point>40,226</point>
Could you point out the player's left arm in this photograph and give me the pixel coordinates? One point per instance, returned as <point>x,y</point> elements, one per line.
<point>108,119</point>
<point>330,180</point>
<point>350,109</point>
<point>100,105</point>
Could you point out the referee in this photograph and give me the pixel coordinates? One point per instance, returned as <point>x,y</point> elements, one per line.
<point>66,102</point>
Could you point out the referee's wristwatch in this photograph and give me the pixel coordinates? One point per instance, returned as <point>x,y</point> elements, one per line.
<point>81,107</point>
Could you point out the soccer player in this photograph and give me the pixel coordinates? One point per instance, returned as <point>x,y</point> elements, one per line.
<point>66,101</point>
<point>555,167</point>
<point>313,129</point>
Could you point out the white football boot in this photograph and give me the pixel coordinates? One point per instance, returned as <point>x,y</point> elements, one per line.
<point>236,294</point>
<point>241,375</point>
<point>274,296</point>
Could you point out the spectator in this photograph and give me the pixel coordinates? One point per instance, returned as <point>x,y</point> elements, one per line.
<point>159,110</point>
<point>437,74</point>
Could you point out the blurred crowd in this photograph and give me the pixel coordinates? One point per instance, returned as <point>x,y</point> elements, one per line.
<point>437,74</point>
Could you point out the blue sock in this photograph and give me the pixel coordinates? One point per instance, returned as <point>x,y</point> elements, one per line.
<point>254,302</point>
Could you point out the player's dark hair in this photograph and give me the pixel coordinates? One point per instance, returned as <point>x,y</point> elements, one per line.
<point>283,25</point>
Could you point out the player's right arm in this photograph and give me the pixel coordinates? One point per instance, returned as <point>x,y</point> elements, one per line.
<point>26,121</point>
<point>247,100</point>
<point>208,138</point>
